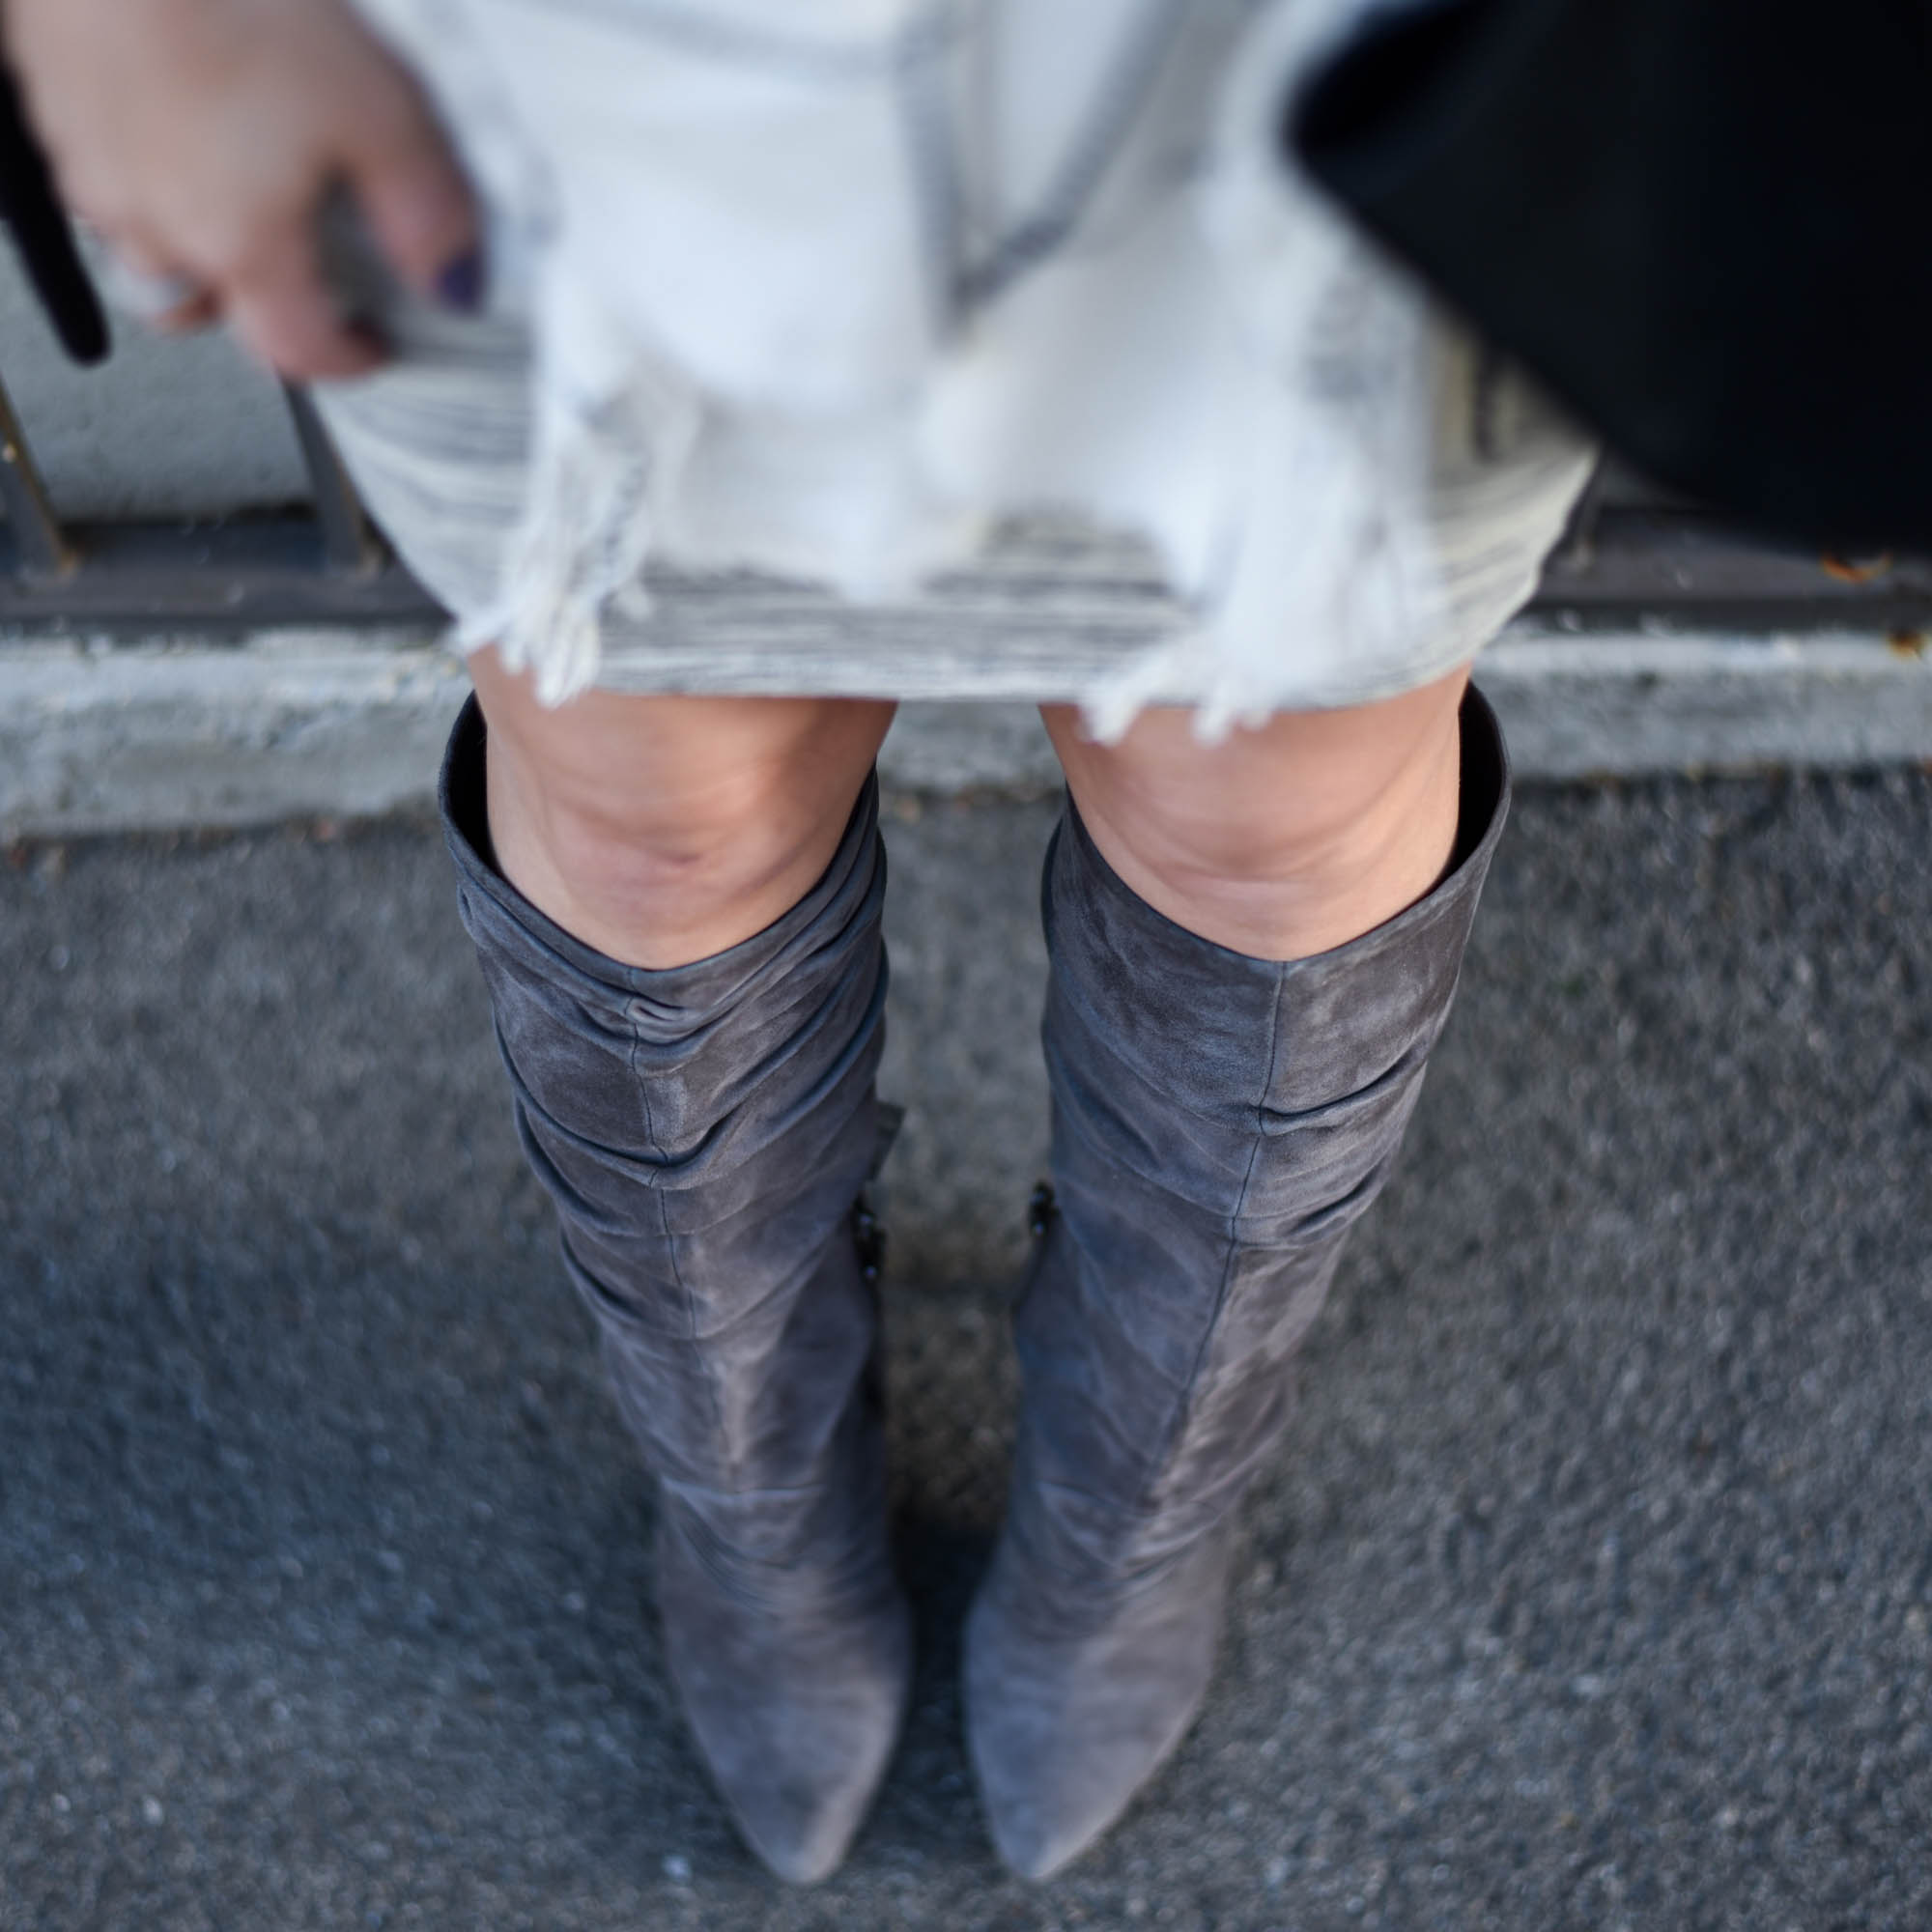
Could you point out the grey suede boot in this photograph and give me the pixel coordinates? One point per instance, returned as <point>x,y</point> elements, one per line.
<point>1220,1123</point>
<point>705,1134</point>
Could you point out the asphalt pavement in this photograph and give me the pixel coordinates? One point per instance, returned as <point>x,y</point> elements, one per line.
<point>1593,1587</point>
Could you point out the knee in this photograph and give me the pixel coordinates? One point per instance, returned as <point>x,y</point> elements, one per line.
<point>1198,838</point>
<point>1285,840</point>
<point>641,857</point>
<point>663,830</point>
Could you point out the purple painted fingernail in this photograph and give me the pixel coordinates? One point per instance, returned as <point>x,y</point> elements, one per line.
<point>462,285</point>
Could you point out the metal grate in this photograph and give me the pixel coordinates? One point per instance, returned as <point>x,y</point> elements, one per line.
<point>41,550</point>
<point>327,564</point>
<point>1631,557</point>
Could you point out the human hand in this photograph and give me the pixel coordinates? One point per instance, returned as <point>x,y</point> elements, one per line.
<point>201,139</point>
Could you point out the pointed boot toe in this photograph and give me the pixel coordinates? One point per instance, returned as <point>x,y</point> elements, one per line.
<point>1068,1716</point>
<point>795,1709</point>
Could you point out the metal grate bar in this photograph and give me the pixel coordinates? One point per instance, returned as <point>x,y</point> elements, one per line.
<point>239,574</point>
<point>1683,567</point>
<point>349,541</point>
<point>243,572</point>
<point>39,548</point>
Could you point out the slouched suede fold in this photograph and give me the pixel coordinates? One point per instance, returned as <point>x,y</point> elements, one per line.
<point>705,1132</point>
<point>1220,1123</point>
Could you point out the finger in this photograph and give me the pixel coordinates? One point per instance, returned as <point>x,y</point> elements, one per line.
<point>285,314</point>
<point>420,208</point>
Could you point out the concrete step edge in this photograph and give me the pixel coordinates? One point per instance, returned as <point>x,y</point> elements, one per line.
<point>186,733</point>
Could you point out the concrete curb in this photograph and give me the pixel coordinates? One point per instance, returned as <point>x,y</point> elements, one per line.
<point>186,733</point>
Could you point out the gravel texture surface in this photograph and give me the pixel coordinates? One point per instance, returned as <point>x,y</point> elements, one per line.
<point>1593,1589</point>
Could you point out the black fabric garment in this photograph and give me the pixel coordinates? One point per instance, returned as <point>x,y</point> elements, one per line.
<point>30,209</point>
<point>1705,224</point>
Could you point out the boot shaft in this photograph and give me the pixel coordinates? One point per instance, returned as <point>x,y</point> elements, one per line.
<point>1220,1123</point>
<point>704,1132</point>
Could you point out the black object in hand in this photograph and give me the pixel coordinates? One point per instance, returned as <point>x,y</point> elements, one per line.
<point>1705,224</point>
<point>43,236</point>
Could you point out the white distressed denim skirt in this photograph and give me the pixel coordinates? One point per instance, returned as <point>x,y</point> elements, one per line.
<point>938,348</point>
